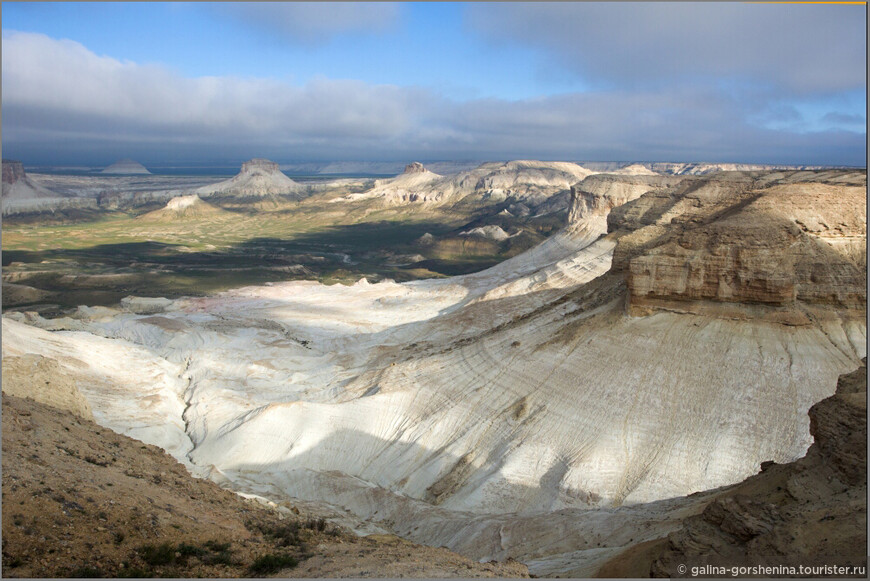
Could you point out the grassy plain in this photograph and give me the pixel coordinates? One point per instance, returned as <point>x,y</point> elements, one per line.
<point>102,258</point>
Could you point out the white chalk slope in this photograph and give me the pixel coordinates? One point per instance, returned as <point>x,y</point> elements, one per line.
<point>510,412</point>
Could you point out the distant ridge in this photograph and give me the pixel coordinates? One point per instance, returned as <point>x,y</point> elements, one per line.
<point>126,167</point>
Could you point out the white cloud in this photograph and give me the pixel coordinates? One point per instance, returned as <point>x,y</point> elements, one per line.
<point>62,101</point>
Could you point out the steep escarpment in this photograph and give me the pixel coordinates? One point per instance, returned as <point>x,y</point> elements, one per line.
<point>412,185</point>
<point>739,239</point>
<point>599,194</point>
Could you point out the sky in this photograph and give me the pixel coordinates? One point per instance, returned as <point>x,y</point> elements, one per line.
<point>164,83</point>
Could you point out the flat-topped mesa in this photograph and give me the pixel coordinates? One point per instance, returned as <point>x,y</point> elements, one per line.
<point>12,171</point>
<point>260,166</point>
<point>415,167</point>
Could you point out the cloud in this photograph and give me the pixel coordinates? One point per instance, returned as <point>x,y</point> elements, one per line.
<point>314,22</point>
<point>798,48</point>
<point>835,118</point>
<point>63,103</point>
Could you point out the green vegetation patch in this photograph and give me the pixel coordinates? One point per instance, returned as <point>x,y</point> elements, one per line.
<point>272,563</point>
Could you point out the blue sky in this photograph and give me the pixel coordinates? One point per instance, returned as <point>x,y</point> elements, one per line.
<point>89,82</point>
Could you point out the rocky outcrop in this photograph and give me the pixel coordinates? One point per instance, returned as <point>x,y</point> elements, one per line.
<point>12,171</point>
<point>415,167</point>
<point>813,508</point>
<point>260,166</point>
<point>22,194</point>
<point>735,238</point>
<point>415,184</point>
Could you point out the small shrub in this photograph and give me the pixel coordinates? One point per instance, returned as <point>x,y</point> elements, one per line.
<point>316,524</point>
<point>154,555</point>
<point>272,563</point>
<point>217,547</point>
<point>220,555</point>
<point>186,550</point>
<point>284,535</point>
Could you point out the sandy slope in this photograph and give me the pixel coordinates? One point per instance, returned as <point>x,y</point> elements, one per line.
<point>79,500</point>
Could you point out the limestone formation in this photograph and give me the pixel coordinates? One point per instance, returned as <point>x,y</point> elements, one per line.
<point>525,181</point>
<point>24,194</point>
<point>257,178</point>
<point>13,171</point>
<point>518,411</point>
<point>736,239</point>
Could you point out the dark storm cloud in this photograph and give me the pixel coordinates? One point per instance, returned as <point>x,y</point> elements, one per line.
<point>798,48</point>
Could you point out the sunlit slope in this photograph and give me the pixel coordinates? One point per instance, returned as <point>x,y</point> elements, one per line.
<point>454,411</point>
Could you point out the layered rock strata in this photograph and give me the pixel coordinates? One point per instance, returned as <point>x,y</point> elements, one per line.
<point>738,239</point>
<point>515,412</point>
